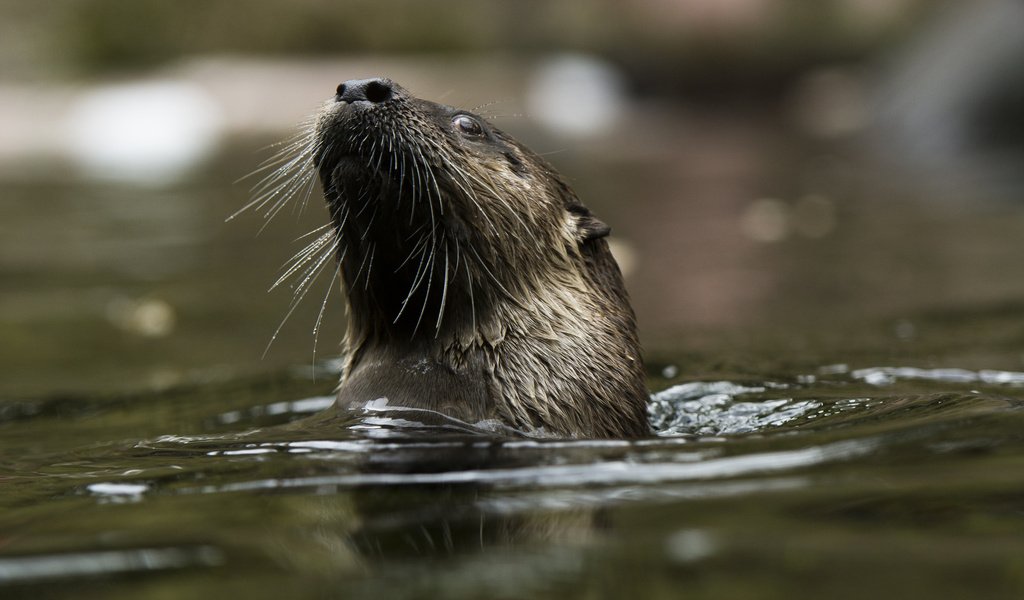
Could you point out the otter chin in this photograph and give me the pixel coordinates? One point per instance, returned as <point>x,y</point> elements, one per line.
<point>478,285</point>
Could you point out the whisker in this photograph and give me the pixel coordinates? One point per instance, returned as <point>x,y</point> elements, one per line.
<point>373,250</point>
<point>469,286</point>
<point>444,295</point>
<point>323,309</point>
<point>297,297</point>
<point>483,265</point>
<point>417,279</point>
<point>303,257</point>
<point>479,107</point>
<point>284,175</point>
<point>426,293</point>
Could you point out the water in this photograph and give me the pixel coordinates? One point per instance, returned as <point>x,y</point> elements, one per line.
<point>791,487</point>
<point>838,407</point>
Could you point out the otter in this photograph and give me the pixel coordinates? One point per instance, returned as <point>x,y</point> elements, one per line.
<point>478,285</point>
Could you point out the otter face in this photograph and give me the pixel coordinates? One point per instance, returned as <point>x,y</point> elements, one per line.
<point>477,284</point>
<point>432,204</point>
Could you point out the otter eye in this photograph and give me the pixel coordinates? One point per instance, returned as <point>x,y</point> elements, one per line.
<point>468,126</point>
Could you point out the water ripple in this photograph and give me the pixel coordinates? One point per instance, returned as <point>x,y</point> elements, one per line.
<point>712,408</point>
<point>49,566</point>
<point>604,474</point>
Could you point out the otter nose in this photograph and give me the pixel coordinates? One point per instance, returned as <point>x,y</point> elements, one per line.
<point>365,90</point>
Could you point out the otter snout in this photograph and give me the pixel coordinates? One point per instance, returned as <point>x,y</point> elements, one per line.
<point>374,91</point>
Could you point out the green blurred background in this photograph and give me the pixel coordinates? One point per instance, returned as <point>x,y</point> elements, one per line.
<point>772,169</point>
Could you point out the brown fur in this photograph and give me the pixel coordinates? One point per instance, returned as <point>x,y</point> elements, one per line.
<point>477,284</point>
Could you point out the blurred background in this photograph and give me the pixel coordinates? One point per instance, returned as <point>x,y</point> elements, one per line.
<point>772,169</point>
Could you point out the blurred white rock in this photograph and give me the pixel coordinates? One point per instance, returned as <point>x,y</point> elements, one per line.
<point>148,132</point>
<point>576,95</point>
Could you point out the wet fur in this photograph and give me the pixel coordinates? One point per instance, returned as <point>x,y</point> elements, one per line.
<point>477,283</point>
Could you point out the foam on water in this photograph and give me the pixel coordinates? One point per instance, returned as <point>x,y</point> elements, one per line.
<point>716,408</point>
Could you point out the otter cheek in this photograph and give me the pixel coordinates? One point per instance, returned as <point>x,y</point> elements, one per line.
<point>571,229</point>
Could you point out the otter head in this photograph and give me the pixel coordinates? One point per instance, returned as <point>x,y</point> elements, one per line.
<point>478,285</point>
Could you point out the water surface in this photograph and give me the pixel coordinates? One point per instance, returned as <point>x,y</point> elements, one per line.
<point>896,480</point>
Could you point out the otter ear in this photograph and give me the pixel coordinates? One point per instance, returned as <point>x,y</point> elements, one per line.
<point>588,226</point>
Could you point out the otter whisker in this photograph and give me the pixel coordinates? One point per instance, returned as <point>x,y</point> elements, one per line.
<point>444,294</point>
<point>311,273</point>
<point>417,247</point>
<point>280,325</point>
<point>280,166</point>
<point>391,152</point>
<point>471,196</point>
<point>278,182</point>
<point>297,297</point>
<point>433,232</point>
<point>286,193</point>
<point>483,265</point>
<point>309,186</point>
<point>361,266</point>
<point>469,286</point>
<point>289,173</point>
<point>325,237</point>
<point>362,197</point>
<point>424,254</point>
<point>314,231</point>
<point>339,227</point>
<point>412,173</point>
<point>421,271</point>
<point>400,169</point>
<point>380,156</point>
<point>495,194</point>
<point>323,309</point>
<point>417,178</point>
<point>426,171</point>
<point>369,268</point>
<point>302,146</point>
<point>429,180</point>
<point>433,178</point>
<point>303,139</point>
<point>479,108</point>
<point>430,280</point>
<point>369,225</point>
<point>302,257</point>
<point>297,144</point>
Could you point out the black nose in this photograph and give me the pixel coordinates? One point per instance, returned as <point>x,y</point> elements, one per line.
<point>365,90</point>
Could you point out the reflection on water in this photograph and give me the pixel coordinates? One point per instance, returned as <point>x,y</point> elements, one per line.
<point>14,570</point>
<point>890,375</point>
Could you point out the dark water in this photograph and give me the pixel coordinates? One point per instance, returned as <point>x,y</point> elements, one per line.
<point>838,409</point>
<point>838,483</point>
